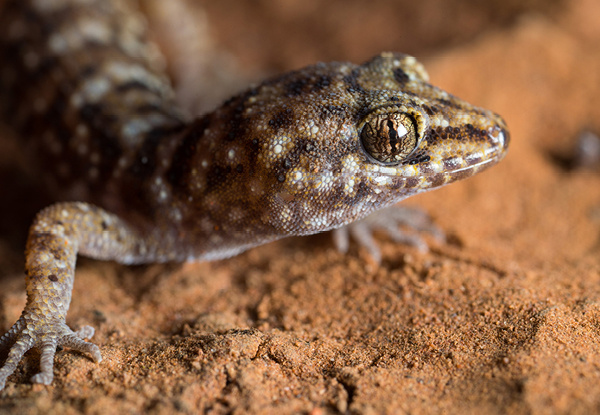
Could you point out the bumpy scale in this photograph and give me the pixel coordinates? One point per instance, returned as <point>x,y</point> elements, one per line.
<point>305,152</point>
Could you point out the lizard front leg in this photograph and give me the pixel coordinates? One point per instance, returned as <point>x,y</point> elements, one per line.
<point>58,234</point>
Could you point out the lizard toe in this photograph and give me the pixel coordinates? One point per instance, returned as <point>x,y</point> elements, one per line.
<point>46,337</point>
<point>402,224</point>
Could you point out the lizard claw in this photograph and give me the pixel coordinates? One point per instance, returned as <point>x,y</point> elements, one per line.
<point>389,220</point>
<point>26,333</point>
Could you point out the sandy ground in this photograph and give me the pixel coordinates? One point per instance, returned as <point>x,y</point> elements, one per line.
<point>503,318</point>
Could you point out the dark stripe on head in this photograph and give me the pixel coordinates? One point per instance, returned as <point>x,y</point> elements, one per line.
<point>282,119</point>
<point>323,81</point>
<point>448,103</point>
<point>332,111</point>
<point>400,76</point>
<point>351,81</point>
<point>296,87</point>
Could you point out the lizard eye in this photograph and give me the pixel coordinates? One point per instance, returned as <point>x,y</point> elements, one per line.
<point>389,138</point>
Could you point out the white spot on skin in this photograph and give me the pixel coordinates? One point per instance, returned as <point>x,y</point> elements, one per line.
<point>275,148</point>
<point>410,171</point>
<point>91,91</point>
<point>436,167</point>
<point>325,181</point>
<point>382,180</point>
<point>387,170</point>
<point>43,257</point>
<point>197,180</point>
<point>345,69</point>
<point>371,168</point>
<point>122,72</point>
<point>79,33</point>
<point>95,88</point>
<point>350,164</point>
<point>57,44</point>
<point>439,121</point>
<point>135,127</point>
<point>95,30</point>
<point>231,154</point>
<point>349,188</point>
<point>176,214</point>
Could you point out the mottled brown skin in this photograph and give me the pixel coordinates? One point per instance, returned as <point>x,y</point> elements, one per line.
<point>309,151</point>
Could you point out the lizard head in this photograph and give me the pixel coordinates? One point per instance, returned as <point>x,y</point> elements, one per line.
<point>370,136</point>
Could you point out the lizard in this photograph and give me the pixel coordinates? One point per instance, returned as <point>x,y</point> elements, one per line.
<point>139,182</point>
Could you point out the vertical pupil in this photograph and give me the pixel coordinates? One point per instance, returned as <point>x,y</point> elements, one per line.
<point>393,134</point>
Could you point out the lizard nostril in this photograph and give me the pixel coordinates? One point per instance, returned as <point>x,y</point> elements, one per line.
<point>499,138</point>
<point>505,135</point>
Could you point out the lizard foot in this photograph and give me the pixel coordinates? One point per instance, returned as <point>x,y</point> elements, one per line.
<point>388,220</point>
<point>28,333</point>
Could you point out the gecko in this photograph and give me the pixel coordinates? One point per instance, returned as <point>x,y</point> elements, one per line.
<point>137,181</point>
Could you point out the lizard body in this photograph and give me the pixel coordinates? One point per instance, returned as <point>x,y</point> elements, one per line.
<point>305,152</point>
